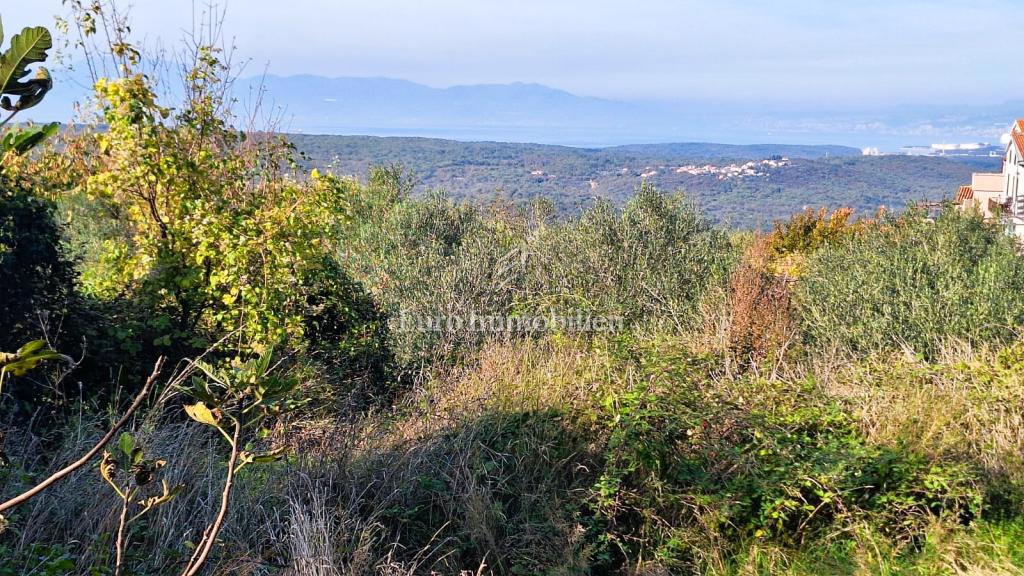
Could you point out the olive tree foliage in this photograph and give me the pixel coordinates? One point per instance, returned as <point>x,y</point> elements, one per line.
<point>915,282</point>
<point>451,276</point>
<point>652,261</point>
<point>429,261</point>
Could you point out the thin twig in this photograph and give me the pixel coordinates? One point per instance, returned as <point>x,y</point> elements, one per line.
<point>21,499</point>
<point>122,524</point>
<point>195,564</point>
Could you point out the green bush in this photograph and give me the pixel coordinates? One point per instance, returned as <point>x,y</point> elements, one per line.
<point>653,261</point>
<point>37,277</point>
<point>430,259</point>
<point>347,334</point>
<point>914,281</point>
<point>689,471</point>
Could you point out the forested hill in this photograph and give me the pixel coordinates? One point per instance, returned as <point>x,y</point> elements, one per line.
<point>746,186</point>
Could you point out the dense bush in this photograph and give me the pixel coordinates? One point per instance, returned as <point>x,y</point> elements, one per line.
<point>755,460</point>
<point>426,261</point>
<point>37,276</point>
<point>653,261</point>
<point>348,337</point>
<point>913,281</point>
<point>649,451</point>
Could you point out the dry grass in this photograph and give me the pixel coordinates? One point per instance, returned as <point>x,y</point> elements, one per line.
<point>968,406</point>
<point>762,320</point>
<point>476,472</point>
<point>458,481</point>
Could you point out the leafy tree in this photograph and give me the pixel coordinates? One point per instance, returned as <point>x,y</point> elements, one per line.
<point>214,237</point>
<point>913,281</point>
<point>653,260</point>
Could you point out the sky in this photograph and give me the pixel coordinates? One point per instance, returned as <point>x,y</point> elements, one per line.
<point>799,53</point>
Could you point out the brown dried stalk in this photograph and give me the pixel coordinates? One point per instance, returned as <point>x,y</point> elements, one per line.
<point>60,474</point>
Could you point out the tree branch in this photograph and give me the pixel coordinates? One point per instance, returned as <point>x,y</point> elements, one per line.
<point>21,499</point>
<point>195,564</point>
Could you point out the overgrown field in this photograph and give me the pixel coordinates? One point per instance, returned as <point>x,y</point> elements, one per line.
<point>256,370</point>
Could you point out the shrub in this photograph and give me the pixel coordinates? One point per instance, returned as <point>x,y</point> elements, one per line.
<point>651,262</point>
<point>761,320</point>
<point>690,474</point>
<point>348,335</point>
<point>966,407</point>
<point>432,259</point>
<point>37,277</point>
<point>916,282</point>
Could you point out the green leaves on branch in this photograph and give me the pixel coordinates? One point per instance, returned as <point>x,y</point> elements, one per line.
<point>250,389</point>
<point>22,140</point>
<point>129,473</point>
<point>129,461</point>
<point>19,92</point>
<point>233,398</point>
<point>27,48</point>
<point>242,393</point>
<point>28,357</point>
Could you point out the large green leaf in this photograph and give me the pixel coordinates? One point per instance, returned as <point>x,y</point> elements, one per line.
<point>27,48</point>
<point>28,357</point>
<point>22,140</point>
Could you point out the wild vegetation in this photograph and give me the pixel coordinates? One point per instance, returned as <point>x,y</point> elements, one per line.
<point>217,362</point>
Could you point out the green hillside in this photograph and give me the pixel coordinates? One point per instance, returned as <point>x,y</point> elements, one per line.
<point>825,176</point>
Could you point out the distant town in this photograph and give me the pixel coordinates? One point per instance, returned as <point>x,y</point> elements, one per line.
<point>977,149</point>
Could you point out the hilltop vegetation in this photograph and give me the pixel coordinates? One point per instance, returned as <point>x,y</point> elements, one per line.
<point>252,368</point>
<point>572,178</point>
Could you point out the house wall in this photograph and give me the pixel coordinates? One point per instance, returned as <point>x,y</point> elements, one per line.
<point>988,190</point>
<point>1014,187</point>
<point>1002,194</point>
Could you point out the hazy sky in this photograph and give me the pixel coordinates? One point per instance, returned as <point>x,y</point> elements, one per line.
<point>824,54</point>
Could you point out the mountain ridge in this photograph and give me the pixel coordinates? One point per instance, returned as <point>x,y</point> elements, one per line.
<point>534,112</point>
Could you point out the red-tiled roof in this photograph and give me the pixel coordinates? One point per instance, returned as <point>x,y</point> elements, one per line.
<point>965,193</point>
<point>1020,125</point>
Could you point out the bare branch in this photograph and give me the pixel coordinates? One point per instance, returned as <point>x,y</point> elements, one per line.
<point>195,564</point>
<point>21,499</point>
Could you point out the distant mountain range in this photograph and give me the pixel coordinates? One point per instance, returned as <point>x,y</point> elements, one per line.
<point>516,112</point>
<point>522,112</point>
<point>535,113</point>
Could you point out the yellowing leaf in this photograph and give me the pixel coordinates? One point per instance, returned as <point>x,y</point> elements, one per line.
<point>200,413</point>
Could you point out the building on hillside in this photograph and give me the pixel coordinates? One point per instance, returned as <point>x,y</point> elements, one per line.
<point>1000,196</point>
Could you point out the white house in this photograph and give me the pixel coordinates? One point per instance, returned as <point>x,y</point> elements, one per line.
<point>1001,195</point>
